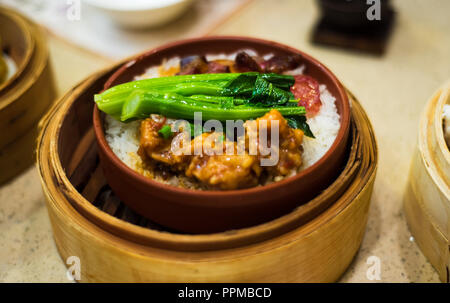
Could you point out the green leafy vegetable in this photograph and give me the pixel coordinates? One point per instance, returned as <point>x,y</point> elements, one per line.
<point>299,122</point>
<point>165,132</point>
<point>281,81</point>
<point>244,84</point>
<point>113,98</point>
<point>241,86</point>
<point>267,94</point>
<point>143,103</point>
<point>230,96</point>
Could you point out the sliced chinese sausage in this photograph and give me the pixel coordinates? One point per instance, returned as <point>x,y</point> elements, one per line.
<point>306,91</point>
<point>245,63</point>
<point>218,67</point>
<point>199,65</point>
<point>281,63</point>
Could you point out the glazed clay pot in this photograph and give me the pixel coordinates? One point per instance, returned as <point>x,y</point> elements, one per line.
<point>197,211</point>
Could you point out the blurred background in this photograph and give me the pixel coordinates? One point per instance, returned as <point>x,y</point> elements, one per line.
<point>392,64</point>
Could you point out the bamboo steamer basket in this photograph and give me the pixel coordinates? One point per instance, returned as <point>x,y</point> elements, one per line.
<point>311,244</point>
<point>427,198</point>
<point>26,96</point>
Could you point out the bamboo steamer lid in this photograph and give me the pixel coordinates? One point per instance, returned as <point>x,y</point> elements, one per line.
<point>314,248</point>
<point>24,97</point>
<point>427,199</point>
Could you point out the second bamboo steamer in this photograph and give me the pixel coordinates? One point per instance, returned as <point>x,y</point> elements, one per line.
<point>26,95</point>
<point>427,197</point>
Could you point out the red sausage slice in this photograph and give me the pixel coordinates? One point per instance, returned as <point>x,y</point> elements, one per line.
<point>306,91</point>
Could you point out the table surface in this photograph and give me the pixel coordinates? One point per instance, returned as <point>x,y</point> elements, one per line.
<point>393,89</point>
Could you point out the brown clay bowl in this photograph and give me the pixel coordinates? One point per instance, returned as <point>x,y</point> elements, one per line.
<point>197,211</point>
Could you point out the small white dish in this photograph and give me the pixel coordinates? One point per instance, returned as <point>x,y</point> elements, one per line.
<point>138,14</point>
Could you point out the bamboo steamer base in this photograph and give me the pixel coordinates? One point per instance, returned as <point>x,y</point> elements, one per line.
<point>310,254</point>
<point>432,242</point>
<point>316,251</point>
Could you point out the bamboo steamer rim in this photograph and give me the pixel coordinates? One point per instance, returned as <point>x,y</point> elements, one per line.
<point>50,128</point>
<point>35,66</point>
<point>432,146</point>
<point>27,34</point>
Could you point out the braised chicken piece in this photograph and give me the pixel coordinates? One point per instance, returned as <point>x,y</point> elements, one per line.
<point>209,162</point>
<point>290,140</point>
<point>212,167</point>
<point>217,169</point>
<point>153,146</point>
<point>225,172</point>
<point>290,158</point>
